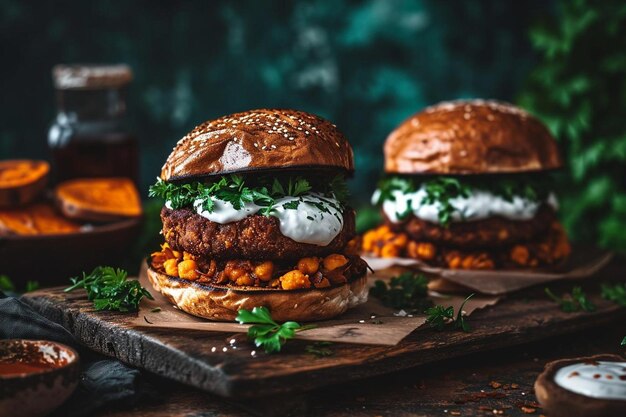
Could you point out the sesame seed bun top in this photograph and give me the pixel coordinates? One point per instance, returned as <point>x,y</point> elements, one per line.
<point>471,137</point>
<point>265,139</point>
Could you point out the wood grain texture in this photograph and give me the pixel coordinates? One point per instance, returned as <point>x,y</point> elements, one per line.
<point>186,356</point>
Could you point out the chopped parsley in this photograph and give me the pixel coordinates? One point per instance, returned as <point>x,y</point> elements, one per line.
<point>441,190</point>
<point>573,302</point>
<point>406,291</point>
<point>264,192</point>
<point>440,316</point>
<point>615,293</point>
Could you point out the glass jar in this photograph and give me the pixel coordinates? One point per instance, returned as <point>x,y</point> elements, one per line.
<point>90,137</point>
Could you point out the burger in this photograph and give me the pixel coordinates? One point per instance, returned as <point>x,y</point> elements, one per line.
<point>256,215</point>
<point>469,185</point>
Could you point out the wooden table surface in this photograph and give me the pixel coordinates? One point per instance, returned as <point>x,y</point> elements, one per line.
<point>486,384</point>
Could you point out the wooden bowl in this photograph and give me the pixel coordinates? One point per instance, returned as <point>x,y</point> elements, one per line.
<point>36,376</point>
<point>54,258</point>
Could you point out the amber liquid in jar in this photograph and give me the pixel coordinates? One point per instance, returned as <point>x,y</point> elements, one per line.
<point>89,137</point>
<point>104,155</point>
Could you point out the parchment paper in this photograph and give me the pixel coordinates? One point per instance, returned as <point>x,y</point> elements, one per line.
<point>370,323</point>
<point>582,263</point>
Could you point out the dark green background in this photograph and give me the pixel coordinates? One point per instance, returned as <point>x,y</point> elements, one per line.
<point>365,65</point>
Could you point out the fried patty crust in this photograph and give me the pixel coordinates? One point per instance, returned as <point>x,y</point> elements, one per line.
<point>255,237</point>
<point>490,232</point>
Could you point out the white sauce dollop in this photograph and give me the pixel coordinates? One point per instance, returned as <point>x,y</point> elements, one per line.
<point>478,205</point>
<point>605,380</point>
<point>305,224</point>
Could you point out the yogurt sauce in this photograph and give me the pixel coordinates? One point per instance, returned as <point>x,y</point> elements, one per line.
<point>478,205</point>
<point>305,224</point>
<point>605,380</point>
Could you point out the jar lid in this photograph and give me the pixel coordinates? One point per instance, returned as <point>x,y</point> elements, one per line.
<point>70,77</point>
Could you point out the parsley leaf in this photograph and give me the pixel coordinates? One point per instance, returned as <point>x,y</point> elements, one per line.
<point>615,293</point>
<point>623,342</point>
<point>6,284</point>
<point>238,191</point>
<point>439,316</point>
<point>406,291</point>
<point>575,301</point>
<point>109,289</point>
<point>266,332</point>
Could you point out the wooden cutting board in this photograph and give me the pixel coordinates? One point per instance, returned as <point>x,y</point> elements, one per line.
<point>188,356</point>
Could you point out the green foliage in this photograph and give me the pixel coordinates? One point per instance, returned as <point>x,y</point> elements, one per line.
<point>233,189</point>
<point>266,332</point>
<point>573,302</point>
<point>440,316</point>
<point>406,291</point>
<point>6,284</point>
<point>623,341</point>
<point>615,293</point>
<point>109,289</point>
<point>579,91</point>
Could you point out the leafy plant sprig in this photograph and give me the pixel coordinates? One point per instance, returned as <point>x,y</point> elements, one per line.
<point>572,302</point>
<point>267,333</point>
<point>234,189</point>
<point>623,341</point>
<point>615,293</point>
<point>110,289</point>
<point>440,316</point>
<point>406,291</point>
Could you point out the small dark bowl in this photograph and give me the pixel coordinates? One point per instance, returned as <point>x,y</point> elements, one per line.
<point>51,259</point>
<point>36,376</point>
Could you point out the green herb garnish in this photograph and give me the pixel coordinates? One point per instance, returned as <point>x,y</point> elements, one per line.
<point>32,286</point>
<point>572,302</point>
<point>320,349</point>
<point>406,291</point>
<point>615,293</point>
<point>623,341</point>
<point>439,316</point>
<point>441,190</point>
<point>109,289</point>
<point>235,190</point>
<point>265,332</point>
<point>6,284</point>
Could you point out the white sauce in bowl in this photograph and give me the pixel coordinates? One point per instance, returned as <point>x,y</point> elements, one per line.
<point>606,380</point>
<point>478,205</point>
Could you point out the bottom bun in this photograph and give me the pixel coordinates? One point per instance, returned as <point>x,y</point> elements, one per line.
<point>221,302</point>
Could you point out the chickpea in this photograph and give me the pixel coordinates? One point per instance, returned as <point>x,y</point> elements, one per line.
<point>171,267</point>
<point>295,279</point>
<point>309,265</point>
<point>334,261</point>
<point>520,254</point>
<point>467,262</point>
<point>454,261</point>
<point>264,271</point>
<point>244,279</point>
<point>426,250</point>
<point>383,230</point>
<point>188,269</point>
<point>389,251</point>
<point>369,241</point>
<point>400,240</point>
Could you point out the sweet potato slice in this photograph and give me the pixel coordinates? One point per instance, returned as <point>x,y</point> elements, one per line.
<point>21,181</point>
<point>98,199</point>
<point>34,219</point>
